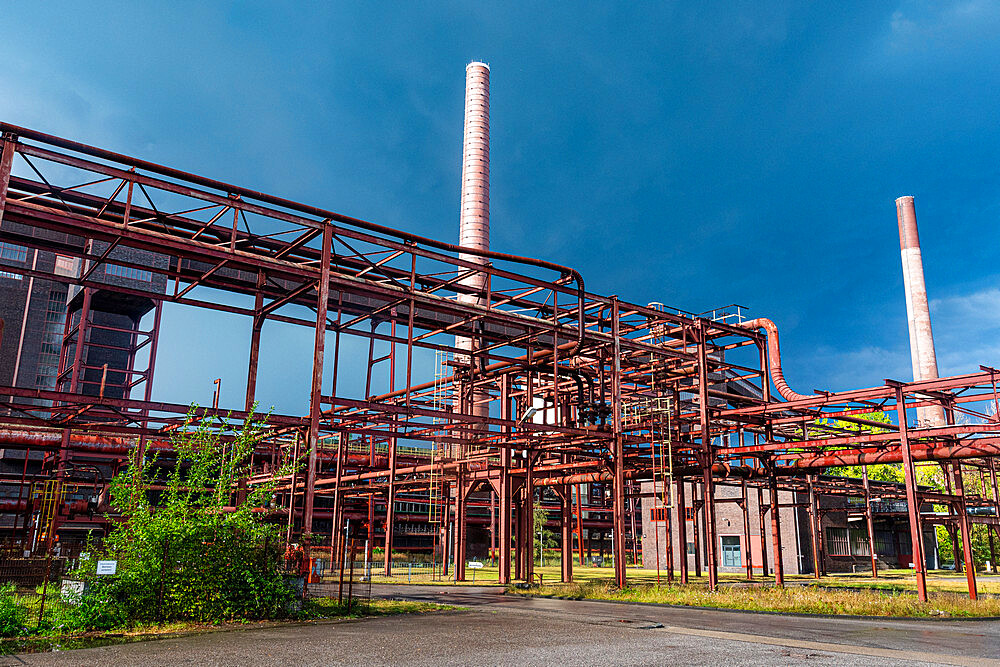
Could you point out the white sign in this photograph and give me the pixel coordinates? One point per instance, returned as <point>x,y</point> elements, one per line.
<point>107,566</point>
<point>475,565</point>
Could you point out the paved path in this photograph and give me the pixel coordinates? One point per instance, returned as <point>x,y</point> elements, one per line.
<point>509,630</point>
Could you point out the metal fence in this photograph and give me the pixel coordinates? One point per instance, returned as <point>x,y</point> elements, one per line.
<point>34,580</point>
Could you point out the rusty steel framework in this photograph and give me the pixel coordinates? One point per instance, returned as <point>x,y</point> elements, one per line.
<point>540,339</point>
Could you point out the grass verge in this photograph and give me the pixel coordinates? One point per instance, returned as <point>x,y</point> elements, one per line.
<point>315,609</point>
<point>801,600</point>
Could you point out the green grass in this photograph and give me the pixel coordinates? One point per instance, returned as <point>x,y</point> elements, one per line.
<point>937,580</point>
<point>315,609</point>
<point>323,608</point>
<point>942,581</point>
<point>799,599</point>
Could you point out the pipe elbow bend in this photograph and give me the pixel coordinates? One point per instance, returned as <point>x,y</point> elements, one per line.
<point>774,357</point>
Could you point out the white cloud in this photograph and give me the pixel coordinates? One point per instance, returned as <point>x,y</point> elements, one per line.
<point>966,334</point>
<point>974,312</point>
<point>923,25</point>
<point>967,330</point>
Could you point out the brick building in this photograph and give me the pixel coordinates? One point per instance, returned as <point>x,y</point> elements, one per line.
<point>842,539</point>
<point>40,322</point>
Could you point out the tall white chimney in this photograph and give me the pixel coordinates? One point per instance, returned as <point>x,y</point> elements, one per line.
<point>918,314</point>
<point>474,226</point>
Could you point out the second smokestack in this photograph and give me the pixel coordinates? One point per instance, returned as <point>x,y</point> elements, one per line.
<point>918,314</point>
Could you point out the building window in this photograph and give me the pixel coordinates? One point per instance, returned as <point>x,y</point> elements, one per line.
<point>859,542</point>
<point>12,276</point>
<point>689,513</point>
<point>596,492</point>
<point>64,264</point>
<point>128,272</point>
<point>658,514</point>
<point>690,548</point>
<point>52,335</point>
<point>836,542</point>
<point>884,543</point>
<point>731,556</point>
<point>17,253</point>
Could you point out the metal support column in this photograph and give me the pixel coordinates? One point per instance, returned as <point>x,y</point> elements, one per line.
<point>869,523</point>
<point>762,530</point>
<point>618,456</point>
<point>566,523</point>
<point>746,531</point>
<point>461,493</point>
<point>315,407</point>
<point>912,501</point>
<point>6,162</point>
<point>255,328</point>
<point>814,528</point>
<point>779,566</point>
<point>711,556</point>
<point>680,511</point>
<point>965,527</point>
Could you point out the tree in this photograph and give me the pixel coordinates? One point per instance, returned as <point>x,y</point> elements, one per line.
<point>884,472</point>
<point>544,538</point>
<point>199,548</point>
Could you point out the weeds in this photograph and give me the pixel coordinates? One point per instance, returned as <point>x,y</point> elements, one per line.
<point>804,600</point>
<point>61,637</point>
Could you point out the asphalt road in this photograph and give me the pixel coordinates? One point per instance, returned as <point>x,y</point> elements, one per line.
<point>508,630</point>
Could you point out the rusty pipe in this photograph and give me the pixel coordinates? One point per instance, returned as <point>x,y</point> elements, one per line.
<point>895,455</point>
<point>774,357</point>
<point>118,445</point>
<point>718,469</point>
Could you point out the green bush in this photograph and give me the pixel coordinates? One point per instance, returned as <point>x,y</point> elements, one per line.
<point>13,612</point>
<point>102,607</point>
<point>198,550</point>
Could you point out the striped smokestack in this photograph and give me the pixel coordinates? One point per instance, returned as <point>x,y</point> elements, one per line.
<point>917,312</point>
<point>474,228</point>
<point>474,225</point>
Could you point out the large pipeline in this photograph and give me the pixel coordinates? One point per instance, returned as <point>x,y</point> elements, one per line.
<point>774,357</point>
<point>920,453</point>
<point>122,446</point>
<point>718,470</point>
<point>799,466</point>
<point>51,441</point>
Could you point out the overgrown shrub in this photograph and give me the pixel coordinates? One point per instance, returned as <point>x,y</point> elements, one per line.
<point>103,607</point>
<point>13,612</point>
<point>200,548</point>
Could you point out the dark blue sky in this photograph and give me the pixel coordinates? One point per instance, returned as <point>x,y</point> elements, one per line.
<point>690,154</point>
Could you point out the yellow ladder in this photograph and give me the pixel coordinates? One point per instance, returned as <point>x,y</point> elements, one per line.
<point>49,499</point>
<point>439,452</point>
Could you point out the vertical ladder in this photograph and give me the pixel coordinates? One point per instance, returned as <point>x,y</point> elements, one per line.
<point>49,498</point>
<point>662,445</point>
<point>439,451</point>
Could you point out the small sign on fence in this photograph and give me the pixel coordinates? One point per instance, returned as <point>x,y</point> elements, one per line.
<point>107,566</point>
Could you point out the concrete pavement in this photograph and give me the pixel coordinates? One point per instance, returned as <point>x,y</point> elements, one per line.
<point>511,630</point>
